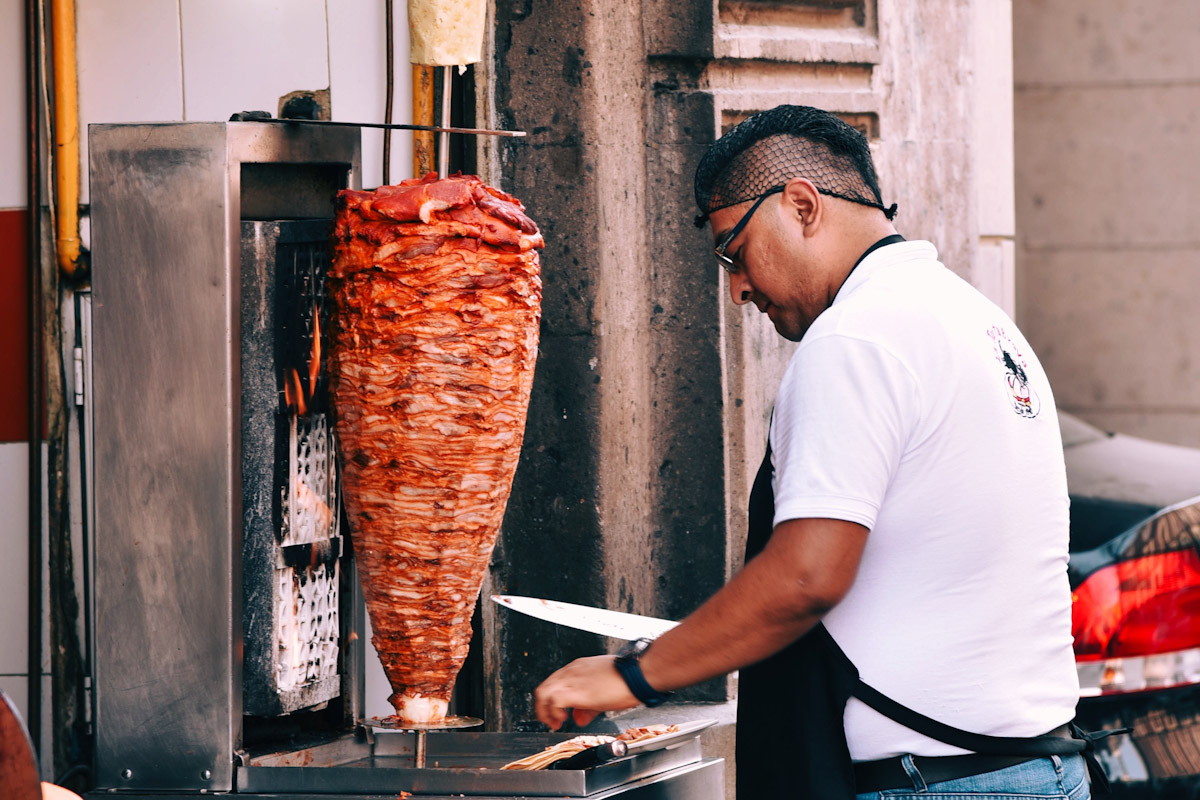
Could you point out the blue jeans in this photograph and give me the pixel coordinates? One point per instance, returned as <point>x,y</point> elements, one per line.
<point>1060,778</point>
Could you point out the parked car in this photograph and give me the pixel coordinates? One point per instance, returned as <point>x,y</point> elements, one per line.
<point>1135,580</point>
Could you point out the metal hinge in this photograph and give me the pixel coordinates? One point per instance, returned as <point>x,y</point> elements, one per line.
<point>87,702</point>
<point>79,376</point>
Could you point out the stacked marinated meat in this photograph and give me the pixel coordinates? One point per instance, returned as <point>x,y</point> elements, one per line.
<point>437,299</point>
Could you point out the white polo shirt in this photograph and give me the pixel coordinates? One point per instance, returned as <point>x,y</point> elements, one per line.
<point>914,406</point>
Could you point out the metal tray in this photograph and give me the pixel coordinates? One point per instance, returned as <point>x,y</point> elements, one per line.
<point>666,741</point>
<point>456,763</point>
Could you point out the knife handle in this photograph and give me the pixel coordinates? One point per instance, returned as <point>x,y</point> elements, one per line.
<point>593,756</point>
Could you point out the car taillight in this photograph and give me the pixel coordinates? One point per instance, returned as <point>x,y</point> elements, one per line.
<point>1136,624</point>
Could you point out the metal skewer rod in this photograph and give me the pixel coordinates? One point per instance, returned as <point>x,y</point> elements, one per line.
<point>422,744</point>
<point>443,136</point>
<point>393,126</point>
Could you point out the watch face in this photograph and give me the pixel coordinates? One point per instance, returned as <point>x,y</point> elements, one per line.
<point>633,649</point>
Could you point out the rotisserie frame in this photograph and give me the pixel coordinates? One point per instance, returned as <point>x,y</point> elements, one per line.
<point>167,205</point>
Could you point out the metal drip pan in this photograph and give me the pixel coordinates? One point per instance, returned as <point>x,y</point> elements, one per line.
<point>394,723</point>
<point>456,764</point>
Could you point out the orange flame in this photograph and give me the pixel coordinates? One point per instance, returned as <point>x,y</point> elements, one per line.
<point>314,362</point>
<point>294,393</point>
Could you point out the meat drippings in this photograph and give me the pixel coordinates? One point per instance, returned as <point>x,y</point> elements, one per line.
<point>437,297</point>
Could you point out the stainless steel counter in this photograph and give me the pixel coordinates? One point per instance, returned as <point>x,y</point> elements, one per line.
<point>382,765</point>
<point>701,780</point>
<point>456,764</point>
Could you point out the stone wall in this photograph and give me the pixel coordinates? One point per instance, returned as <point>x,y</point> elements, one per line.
<point>653,392</point>
<point>1108,180</point>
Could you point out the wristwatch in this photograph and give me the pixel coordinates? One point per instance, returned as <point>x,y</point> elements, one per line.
<point>627,664</point>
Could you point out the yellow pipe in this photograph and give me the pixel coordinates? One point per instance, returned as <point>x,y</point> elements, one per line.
<point>422,115</point>
<point>66,134</point>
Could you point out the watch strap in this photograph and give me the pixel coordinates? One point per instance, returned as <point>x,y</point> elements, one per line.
<point>630,670</point>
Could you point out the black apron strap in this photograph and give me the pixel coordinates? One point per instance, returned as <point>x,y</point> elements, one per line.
<point>1081,741</point>
<point>975,742</point>
<point>790,738</point>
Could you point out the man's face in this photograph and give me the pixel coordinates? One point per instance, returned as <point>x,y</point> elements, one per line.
<point>768,256</point>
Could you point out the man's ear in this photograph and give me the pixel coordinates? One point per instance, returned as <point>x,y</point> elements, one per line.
<point>805,203</point>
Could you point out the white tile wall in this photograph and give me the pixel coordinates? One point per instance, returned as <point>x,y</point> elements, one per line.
<point>241,56</point>
<point>205,59</point>
<point>357,61</point>
<point>376,689</point>
<point>12,104</point>
<point>130,68</point>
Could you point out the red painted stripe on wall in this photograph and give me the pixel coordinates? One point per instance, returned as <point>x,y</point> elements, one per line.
<point>14,328</point>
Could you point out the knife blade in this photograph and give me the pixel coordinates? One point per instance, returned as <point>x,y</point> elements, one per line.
<point>615,624</point>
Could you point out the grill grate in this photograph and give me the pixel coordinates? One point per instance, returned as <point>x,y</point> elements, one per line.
<point>307,615</point>
<point>309,500</point>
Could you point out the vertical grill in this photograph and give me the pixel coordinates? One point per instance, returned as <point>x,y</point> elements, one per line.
<point>223,595</point>
<point>291,508</point>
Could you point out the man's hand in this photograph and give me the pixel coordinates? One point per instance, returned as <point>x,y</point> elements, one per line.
<point>588,685</point>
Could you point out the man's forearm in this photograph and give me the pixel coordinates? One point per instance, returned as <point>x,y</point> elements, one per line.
<point>805,569</point>
<point>777,598</point>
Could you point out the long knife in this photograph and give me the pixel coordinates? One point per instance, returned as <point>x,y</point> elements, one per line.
<point>615,624</point>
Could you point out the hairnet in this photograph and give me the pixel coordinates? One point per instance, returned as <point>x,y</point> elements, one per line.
<point>770,148</point>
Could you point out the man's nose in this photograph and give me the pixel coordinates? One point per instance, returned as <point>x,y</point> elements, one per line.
<point>739,288</point>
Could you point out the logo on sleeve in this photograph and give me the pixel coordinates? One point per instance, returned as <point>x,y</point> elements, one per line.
<point>1024,399</point>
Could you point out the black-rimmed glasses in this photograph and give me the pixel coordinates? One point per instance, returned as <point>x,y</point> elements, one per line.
<point>725,261</point>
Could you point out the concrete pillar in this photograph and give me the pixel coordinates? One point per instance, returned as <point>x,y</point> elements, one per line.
<point>618,501</point>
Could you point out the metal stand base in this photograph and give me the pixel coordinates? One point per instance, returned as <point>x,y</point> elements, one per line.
<point>394,723</point>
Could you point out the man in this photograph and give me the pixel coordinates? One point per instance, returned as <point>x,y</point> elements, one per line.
<point>910,519</point>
